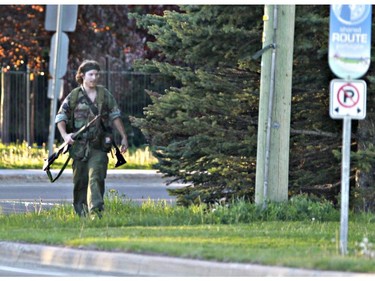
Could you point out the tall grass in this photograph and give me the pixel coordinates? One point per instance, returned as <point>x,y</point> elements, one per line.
<point>122,211</point>
<point>23,156</point>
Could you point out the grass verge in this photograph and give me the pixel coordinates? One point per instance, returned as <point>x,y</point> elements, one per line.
<point>301,233</point>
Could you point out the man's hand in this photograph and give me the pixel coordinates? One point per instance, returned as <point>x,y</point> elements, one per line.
<point>124,145</point>
<point>68,138</point>
<point>62,129</point>
<point>120,128</point>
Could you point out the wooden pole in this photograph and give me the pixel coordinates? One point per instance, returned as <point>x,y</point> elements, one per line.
<point>272,171</point>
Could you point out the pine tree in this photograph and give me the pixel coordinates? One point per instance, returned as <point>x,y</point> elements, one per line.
<point>314,168</point>
<point>364,156</point>
<point>204,131</point>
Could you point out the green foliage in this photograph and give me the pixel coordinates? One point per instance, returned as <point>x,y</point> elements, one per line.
<point>23,156</point>
<point>364,160</point>
<point>204,131</point>
<point>299,208</point>
<point>314,135</point>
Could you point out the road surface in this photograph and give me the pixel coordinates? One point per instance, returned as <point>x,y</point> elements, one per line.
<point>30,190</point>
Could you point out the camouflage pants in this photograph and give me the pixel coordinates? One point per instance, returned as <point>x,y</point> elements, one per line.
<point>88,179</point>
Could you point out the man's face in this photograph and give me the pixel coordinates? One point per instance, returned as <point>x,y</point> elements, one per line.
<point>91,78</point>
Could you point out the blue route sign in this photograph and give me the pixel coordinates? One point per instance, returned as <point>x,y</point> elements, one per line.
<point>349,40</point>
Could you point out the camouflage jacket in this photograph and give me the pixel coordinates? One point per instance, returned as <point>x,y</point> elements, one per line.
<point>75,111</point>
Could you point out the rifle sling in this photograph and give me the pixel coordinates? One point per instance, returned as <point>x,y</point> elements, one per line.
<point>95,110</point>
<point>60,173</point>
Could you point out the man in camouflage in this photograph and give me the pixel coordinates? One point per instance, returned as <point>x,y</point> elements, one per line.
<point>89,150</point>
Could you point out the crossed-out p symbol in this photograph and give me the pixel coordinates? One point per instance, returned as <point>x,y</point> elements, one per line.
<point>348,95</point>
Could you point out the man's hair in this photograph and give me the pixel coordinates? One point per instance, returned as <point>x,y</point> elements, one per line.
<point>85,66</point>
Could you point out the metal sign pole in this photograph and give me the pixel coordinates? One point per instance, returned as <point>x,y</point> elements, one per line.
<point>345,175</point>
<point>51,137</point>
<point>58,18</point>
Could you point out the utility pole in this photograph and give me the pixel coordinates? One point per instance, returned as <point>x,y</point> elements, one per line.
<point>272,170</point>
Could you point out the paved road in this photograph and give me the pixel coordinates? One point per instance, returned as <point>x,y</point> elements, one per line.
<point>30,190</point>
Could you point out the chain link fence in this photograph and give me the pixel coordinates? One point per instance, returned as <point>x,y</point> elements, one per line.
<point>25,107</point>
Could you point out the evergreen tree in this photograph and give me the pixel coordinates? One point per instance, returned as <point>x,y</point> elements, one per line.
<point>364,156</point>
<point>204,131</point>
<point>314,135</point>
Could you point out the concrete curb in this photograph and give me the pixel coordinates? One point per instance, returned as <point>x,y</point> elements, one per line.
<point>41,176</point>
<point>143,265</point>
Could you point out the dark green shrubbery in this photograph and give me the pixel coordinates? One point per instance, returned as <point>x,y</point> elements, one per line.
<point>298,208</point>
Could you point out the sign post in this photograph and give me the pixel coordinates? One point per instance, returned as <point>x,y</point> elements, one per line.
<point>57,45</point>
<point>59,18</point>
<point>348,58</point>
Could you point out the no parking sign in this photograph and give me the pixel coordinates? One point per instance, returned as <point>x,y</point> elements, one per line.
<point>348,99</point>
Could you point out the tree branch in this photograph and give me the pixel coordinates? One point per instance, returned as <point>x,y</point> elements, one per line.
<point>315,133</point>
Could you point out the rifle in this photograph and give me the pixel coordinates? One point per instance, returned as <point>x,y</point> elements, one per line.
<point>62,149</point>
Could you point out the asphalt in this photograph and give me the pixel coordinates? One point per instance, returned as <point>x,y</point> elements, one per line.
<point>130,264</point>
